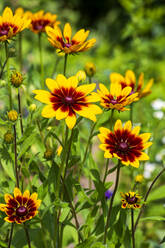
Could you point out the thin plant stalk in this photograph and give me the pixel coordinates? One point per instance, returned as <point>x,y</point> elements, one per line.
<point>15,154</point>
<point>111,118</point>
<point>111,202</point>
<point>146,196</point>
<point>68,153</point>
<point>106,170</point>
<point>131,112</point>
<point>65,63</point>
<point>132,225</point>
<point>11,235</point>
<point>20,111</point>
<point>90,80</point>
<point>8,81</point>
<point>20,51</point>
<point>27,235</point>
<point>41,60</point>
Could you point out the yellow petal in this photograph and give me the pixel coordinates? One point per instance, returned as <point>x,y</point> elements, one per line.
<point>61,81</point>
<point>145,136</point>
<point>67,32</point>
<point>103,147</point>
<point>72,81</point>
<point>70,121</point>
<point>130,76</point>
<point>105,131</point>
<point>48,111</point>
<point>101,138</point>
<point>26,194</point>
<point>126,91</point>
<point>86,88</point>
<point>103,89</point>
<point>136,130</point>
<point>116,78</point>
<point>107,154</point>
<point>34,196</point>
<point>115,89</point>
<point>7,219</point>
<point>146,145</point>
<point>93,97</point>
<point>17,192</point>
<point>118,125</point>
<point>51,84</point>
<point>61,114</point>
<point>128,126</point>
<point>42,96</point>
<point>8,197</point>
<point>143,156</point>
<point>85,112</point>
<point>3,207</point>
<point>135,164</point>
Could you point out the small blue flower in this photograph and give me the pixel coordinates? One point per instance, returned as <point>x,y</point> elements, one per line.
<point>108,194</point>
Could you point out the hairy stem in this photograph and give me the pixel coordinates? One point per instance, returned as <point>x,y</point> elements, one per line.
<point>20,111</point>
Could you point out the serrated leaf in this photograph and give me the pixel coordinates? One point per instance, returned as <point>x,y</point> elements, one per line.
<point>26,144</point>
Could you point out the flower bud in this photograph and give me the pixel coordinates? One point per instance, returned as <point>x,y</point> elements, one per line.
<point>59,150</point>
<point>139,178</point>
<point>16,79</point>
<point>48,154</point>
<point>32,107</point>
<point>8,137</point>
<point>12,115</point>
<point>60,53</point>
<point>90,69</point>
<point>81,75</point>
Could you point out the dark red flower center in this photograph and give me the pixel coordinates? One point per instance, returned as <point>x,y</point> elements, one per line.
<point>21,211</point>
<point>123,146</point>
<point>40,24</point>
<point>5,27</point>
<point>131,200</point>
<point>113,101</point>
<point>69,99</point>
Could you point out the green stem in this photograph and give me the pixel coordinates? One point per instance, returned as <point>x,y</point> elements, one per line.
<point>27,235</point>
<point>41,59</point>
<point>111,202</point>
<point>11,235</point>
<point>8,72</point>
<point>56,226</point>
<point>65,63</point>
<point>111,118</point>
<point>15,154</point>
<point>68,153</point>
<point>20,50</point>
<point>146,196</point>
<point>132,225</point>
<point>90,80</point>
<point>106,171</point>
<point>20,111</point>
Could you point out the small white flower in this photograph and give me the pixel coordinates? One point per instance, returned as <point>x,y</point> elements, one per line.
<point>158,115</point>
<point>159,156</point>
<point>158,104</point>
<point>148,169</point>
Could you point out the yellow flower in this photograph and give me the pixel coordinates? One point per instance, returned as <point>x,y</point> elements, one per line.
<point>39,21</point>
<point>21,207</point>
<point>32,107</point>
<point>66,42</point>
<point>59,150</point>
<point>124,143</point>
<point>11,24</point>
<point>12,115</point>
<point>60,53</point>
<point>67,99</point>
<point>130,200</point>
<point>16,79</point>
<point>117,98</point>
<point>130,80</point>
<point>139,178</point>
<point>90,69</point>
<point>81,75</point>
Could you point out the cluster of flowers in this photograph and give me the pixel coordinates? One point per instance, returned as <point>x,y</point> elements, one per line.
<point>66,99</point>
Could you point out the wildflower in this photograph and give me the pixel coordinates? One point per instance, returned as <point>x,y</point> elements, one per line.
<point>20,208</point>
<point>81,75</point>
<point>69,44</point>
<point>32,107</point>
<point>48,154</point>
<point>8,137</point>
<point>124,143</point>
<point>148,169</point>
<point>60,53</point>
<point>117,98</point>
<point>11,24</point>
<point>90,69</point>
<point>39,21</point>
<point>139,178</point>
<point>67,99</point>
<point>108,194</point>
<point>130,200</point>
<point>12,115</point>
<point>130,80</point>
<point>16,79</point>
<point>59,150</point>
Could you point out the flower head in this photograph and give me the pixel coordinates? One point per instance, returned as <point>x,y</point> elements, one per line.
<point>130,80</point>
<point>16,79</point>
<point>139,178</point>
<point>11,24</point>
<point>81,75</point>
<point>67,99</point>
<point>8,137</point>
<point>108,194</point>
<point>20,207</point>
<point>117,98</point>
<point>12,115</point>
<point>65,42</point>
<point>39,21</point>
<point>90,69</point>
<point>130,200</point>
<point>124,143</point>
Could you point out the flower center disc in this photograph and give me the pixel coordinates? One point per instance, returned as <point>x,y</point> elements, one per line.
<point>3,32</point>
<point>123,146</point>
<point>131,200</point>
<point>114,102</point>
<point>69,99</point>
<point>21,211</point>
<point>68,45</point>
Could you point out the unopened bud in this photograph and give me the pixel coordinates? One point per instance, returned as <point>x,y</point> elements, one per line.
<point>48,154</point>
<point>16,79</point>
<point>12,115</point>
<point>8,137</point>
<point>90,69</point>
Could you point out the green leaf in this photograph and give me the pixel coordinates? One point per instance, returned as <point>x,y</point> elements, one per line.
<point>64,214</point>
<point>153,218</point>
<point>27,144</point>
<point>157,193</point>
<point>8,168</point>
